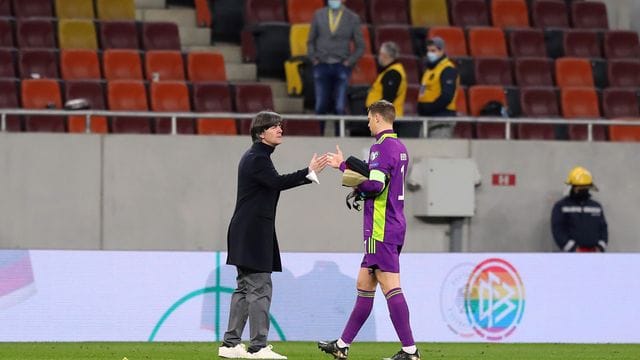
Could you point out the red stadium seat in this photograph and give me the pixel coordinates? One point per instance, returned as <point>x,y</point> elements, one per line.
<point>365,72</point>
<point>621,45</point>
<point>32,8</point>
<point>7,63</point>
<point>167,64</point>
<point>119,35</point>
<point>9,99</point>
<point>251,98</point>
<point>509,13</point>
<point>301,11</point>
<point>258,11</point>
<point>213,97</point>
<point>206,66</point>
<point>5,8</point>
<point>160,36</point>
<point>538,102</point>
<point>35,33</point>
<point>469,13</point>
<point>388,12</point>
<point>122,65</point>
<point>38,63</point>
<point>462,130</point>
<point>533,72</point>
<point>128,95</point>
<point>400,34</point>
<point>42,94</point>
<point>581,43</point>
<point>623,73</point>
<point>493,71</point>
<point>171,96</point>
<point>527,43</point>
<point>582,103</point>
<point>549,14</point>
<point>487,41</point>
<point>456,44</point>
<point>6,33</point>
<point>589,15</point>
<point>302,127</point>
<point>479,96</point>
<point>411,64</point>
<point>359,7</point>
<point>620,103</point>
<point>79,64</point>
<point>411,100</point>
<point>93,92</point>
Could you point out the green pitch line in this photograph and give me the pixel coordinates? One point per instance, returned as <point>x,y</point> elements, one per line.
<point>308,351</point>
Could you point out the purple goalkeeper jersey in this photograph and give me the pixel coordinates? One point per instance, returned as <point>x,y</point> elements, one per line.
<point>384,215</point>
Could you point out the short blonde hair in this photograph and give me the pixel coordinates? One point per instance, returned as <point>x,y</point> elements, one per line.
<point>384,109</point>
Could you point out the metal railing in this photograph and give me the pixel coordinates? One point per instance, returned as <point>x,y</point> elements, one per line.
<point>342,119</point>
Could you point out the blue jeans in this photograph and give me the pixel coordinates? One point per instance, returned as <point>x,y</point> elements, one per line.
<point>331,81</point>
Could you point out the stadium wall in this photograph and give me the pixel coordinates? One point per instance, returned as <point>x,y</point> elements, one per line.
<point>132,192</point>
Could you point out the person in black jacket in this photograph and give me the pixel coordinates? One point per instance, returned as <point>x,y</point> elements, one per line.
<point>577,221</point>
<point>251,238</point>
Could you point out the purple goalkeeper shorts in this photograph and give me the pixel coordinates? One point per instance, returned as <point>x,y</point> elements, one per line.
<point>380,255</point>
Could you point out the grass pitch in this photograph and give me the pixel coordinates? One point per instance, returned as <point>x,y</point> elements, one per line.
<point>309,351</point>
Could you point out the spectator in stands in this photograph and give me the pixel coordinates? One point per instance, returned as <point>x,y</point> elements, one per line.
<point>577,222</point>
<point>251,239</point>
<point>328,47</point>
<point>438,89</point>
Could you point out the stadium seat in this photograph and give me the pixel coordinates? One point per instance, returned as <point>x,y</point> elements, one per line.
<point>527,43</point>
<point>465,66</point>
<point>461,101</point>
<point>400,34</point>
<point>213,97</point>
<point>487,41</point>
<point>5,8</point>
<point>366,36</point>
<point>493,71</point>
<point>171,96</point>
<point>6,33</point>
<point>388,12</point>
<point>581,43</point>
<point>623,73</point>
<point>227,19</point>
<point>573,72</point>
<point>301,127</point>
<point>625,133</point>
<point>466,13</point>
<point>298,39</point>
<point>359,7</point>
<point>411,64</point>
<point>549,14</point>
<point>128,95</point>
<point>77,34</point>
<point>93,92</point>
<point>428,13</point>
<point>479,96</point>
<point>621,45</point>
<point>589,15</point>
<point>122,64</point>
<point>411,100</point>
<point>32,8</point>
<point>38,63</point>
<point>119,35</point>
<point>248,46</point>
<point>301,11</point>
<point>509,13</point>
<point>42,94</point>
<point>9,99</point>
<point>74,9</point>
<point>581,103</point>
<point>462,130</point>
<point>365,71</point>
<point>205,66</point>
<point>538,102</point>
<point>533,72</point>
<point>79,64</point>
<point>259,11</point>
<point>167,64</point>
<point>251,98</point>
<point>272,48</point>
<point>456,45</point>
<point>160,36</point>
<point>620,103</point>
<point>7,63</point>
<point>116,9</point>
<point>35,33</point>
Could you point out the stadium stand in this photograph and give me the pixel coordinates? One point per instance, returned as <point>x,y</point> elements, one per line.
<point>624,73</point>
<point>77,34</point>
<point>9,99</point>
<point>479,96</point>
<point>453,38</point>
<point>42,94</point>
<point>589,15</point>
<point>301,11</point>
<point>251,98</point>
<point>38,63</point>
<point>581,102</point>
<point>7,63</point>
<point>487,41</point>
<point>466,13</point>
<point>389,12</point>
<point>35,33</point>
<point>32,8</point>
<point>93,92</point>
<point>213,97</point>
<point>120,64</point>
<point>620,103</point>
<point>549,14</point>
<point>130,95</point>
<point>493,71</point>
<point>527,43</point>
<point>116,9</point>
<point>160,36</point>
<point>400,34</point>
<point>205,66</point>
<point>119,35</point>
<point>79,64</point>
<point>428,13</point>
<point>259,11</point>
<point>164,65</point>
<point>74,9</point>
<point>509,13</point>
<point>359,7</point>
<point>412,68</point>
<point>573,72</point>
<point>533,72</point>
<point>538,102</point>
<point>411,101</point>
<point>621,45</point>
<point>171,96</point>
<point>6,33</point>
<point>581,43</point>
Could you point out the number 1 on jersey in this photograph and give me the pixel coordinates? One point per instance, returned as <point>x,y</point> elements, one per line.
<point>401,196</point>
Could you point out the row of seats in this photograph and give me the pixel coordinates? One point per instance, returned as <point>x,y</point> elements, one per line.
<point>88,34</point>
<point>115,64</point>
<point>135,95</point>
<point>70,9</point>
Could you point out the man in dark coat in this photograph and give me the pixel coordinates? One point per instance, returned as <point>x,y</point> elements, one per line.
<point>251,239</point>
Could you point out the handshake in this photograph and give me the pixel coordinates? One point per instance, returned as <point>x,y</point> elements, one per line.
<point>318,163</point>
<point>357,170</point>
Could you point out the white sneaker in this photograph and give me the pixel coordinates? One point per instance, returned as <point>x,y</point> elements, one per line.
<point>237,352</point>
<point>266,353</point>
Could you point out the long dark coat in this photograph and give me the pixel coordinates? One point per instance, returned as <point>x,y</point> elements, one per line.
<point>251,240</point>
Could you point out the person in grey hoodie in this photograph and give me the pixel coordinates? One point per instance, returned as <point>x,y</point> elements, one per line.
<point>333,29</point>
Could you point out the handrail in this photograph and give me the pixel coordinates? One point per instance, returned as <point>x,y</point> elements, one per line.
<point>342,119</point>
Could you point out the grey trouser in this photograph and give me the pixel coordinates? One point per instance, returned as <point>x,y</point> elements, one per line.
<point>251,299</point>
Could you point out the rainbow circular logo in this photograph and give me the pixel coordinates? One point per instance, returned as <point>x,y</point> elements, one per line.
<point>494,299</point>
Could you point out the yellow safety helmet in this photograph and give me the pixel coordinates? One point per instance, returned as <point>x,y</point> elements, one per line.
<point>579,176</point>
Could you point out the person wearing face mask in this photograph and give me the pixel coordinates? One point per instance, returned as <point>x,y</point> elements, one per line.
<point>333,28</point>
<point>438,89</point>
<point>577,221</point>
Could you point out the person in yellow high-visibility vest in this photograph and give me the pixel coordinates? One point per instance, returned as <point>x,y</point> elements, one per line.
<point>438,89</point>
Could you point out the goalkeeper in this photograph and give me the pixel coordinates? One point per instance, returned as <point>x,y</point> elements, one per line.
<point>384,231</point>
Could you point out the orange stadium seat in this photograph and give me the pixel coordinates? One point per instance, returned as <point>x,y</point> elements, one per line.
<point>581,102</point>
<point>93,92</point>
<point>365,71</point>
<point>79,64</point>
<point>171,96</point>
<point>487,41</point>
<point>119,35</point>
<point>400,34</point>
<point>533,72</point>
<point>538,102</point>
<point>122,65</point>
<point>620,103</point>
<point>7,63</point>
<point>42,63</point>
<point>74,9</point>
<point>160,36</point>
<point>9,100</point>
<point>388,12</point>
<point>550,14</point>
<point>469,13</point>
<point>116,9</point>
<point>581,43</point>
<point>454,39</point>
<point>479,96</point>
<point>77,34</point>
<point>527,43</point>
<point>573,72</point>
<point>621,45</point>
<point>6,33</point>
<point>42,94</point>
<point>509,13</point>
<point>625,133</point>
<point>128,95</point>
<point>257,11</point>
<point>167,64</point>
<point>623,73</point>
<point>427,13</point>
<point>206,66</point>
<point>493,71</point>
<point>251,98</point>
<point>32,8</point>
<point>213,97</point>
<point>589,15</point>
<point>298,39</point>
<point>301,11</point>
<point>35,33</point>
<point>359,7</point>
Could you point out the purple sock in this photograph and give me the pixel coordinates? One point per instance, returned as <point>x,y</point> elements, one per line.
<point>399,312</point>
<point>359,314</point>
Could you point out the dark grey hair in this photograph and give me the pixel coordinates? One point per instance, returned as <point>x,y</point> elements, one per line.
<point>262,121</point>
<point>391,48</point>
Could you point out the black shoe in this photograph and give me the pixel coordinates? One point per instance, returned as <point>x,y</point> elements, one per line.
<point>401,355</point>
<point>332,348</point>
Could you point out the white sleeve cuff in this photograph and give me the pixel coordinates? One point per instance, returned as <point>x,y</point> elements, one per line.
<point>602,244</point>
<point>569,245</point>
<point>313,177</point>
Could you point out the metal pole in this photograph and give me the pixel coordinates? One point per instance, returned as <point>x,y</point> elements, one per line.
<point>342,126</point>
<point>590,132</point>
<point>425,128</point>
<point>4,122</point>
<point>174,125</point>
<point>87,124</point>
<point>507,130</point>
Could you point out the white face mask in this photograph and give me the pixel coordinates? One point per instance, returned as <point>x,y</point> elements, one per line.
<point>432,57</point>
<point>335,4</point>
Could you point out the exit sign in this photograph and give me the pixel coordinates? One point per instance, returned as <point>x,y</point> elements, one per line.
<point>503,179</point>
